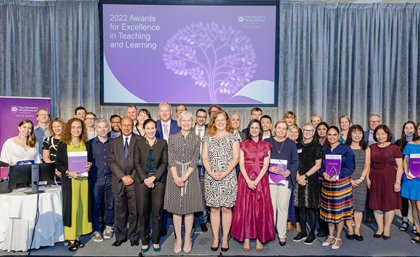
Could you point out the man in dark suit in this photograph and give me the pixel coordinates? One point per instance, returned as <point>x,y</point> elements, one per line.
<point>120,160</point>
<point>201,130</point>
<point>165,125</point>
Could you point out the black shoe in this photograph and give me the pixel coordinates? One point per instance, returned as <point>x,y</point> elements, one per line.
<point>377,235</point>
<point>214,249</point>
<point>224,249</point>
<point>282,243</point>
<point>72,247</point>
<point>350,237</point>
<point>386,237</point>
<point>204,227</point>
<point>299,237</point>
<point>358,237</point>
<point>164,232</point>
<point>404,226</point>
<point>79,244</point>
<point>310,240</point>
<point>117,243</point>
<point>321,234</point>
<point>134,242</point>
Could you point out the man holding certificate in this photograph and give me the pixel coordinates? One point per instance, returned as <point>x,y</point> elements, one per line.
<point>336,193</point>
<point>74,167</point>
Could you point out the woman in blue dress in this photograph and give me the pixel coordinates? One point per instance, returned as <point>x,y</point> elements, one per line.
<point>411,184</point>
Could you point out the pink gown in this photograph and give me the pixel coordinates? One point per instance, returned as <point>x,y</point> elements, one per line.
<point>253,213</point>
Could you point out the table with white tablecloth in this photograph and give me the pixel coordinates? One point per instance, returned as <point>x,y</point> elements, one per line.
<point>18,216</point>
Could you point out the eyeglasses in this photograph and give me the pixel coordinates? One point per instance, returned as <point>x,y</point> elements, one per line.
<point>374,121</point>
<point>308,130</point>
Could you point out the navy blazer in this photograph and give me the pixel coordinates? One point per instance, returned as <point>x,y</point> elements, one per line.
<point>172,130</point>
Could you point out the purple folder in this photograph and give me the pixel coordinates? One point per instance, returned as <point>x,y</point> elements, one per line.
<point>415,165</point>
<point>275,178</point>
<point>333,165</point>
<point>78,162</point>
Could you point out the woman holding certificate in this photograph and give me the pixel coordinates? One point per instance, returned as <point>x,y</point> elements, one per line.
<point>408,134</point>
<point>336,193</point>
<point>411,185</point>
<point>384,180</point>
<point>72,163</point>
<point>253,214</point>
<point>282,176</point>
<point>220,155</point>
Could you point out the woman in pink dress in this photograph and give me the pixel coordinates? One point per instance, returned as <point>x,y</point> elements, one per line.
<point>253,214</point>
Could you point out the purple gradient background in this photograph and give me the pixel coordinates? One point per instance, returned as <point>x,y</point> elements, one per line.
<point>143,72</point>
<point>12,119</point>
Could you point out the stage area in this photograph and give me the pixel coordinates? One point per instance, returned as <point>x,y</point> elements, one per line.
<point>398,245</point>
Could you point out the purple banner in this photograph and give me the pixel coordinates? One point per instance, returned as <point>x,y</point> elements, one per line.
<point>333,165</point>
<point>189,54</point>
<point>276,178</point>
<point>415,165</point>
<point>15,109</point>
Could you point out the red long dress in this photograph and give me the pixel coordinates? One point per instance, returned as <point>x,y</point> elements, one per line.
<point>382,175</point>
<point>253,213</point>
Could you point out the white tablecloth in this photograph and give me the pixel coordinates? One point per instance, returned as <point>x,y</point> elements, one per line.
<point>17,219</point>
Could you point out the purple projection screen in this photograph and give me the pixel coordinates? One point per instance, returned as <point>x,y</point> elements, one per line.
<point>191,54</point>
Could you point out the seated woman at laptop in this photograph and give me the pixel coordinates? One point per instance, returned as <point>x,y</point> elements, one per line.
<point>22,148</point>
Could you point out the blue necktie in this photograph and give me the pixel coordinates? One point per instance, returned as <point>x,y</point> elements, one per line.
<point>125,152</point>
<point>126,148</point>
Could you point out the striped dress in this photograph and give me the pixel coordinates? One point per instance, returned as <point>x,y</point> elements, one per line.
<point>336,200</point>
<point>336,196</point>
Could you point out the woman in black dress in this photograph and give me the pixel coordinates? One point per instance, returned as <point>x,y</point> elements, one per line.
<point>307,192</point>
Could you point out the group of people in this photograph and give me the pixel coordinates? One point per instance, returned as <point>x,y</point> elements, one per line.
<point>252,181</point>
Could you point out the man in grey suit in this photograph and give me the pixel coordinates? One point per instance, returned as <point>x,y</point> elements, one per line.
<point>120,160</point>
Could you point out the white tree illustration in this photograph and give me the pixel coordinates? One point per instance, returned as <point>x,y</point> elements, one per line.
<point>214,56</point>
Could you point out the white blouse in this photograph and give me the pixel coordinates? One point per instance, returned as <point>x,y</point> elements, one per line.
<point>12,153</point>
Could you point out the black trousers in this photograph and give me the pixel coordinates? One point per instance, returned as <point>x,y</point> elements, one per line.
<point>125,212</point>
<point>150,200</point>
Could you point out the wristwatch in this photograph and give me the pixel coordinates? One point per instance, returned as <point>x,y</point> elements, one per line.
<point>306,176</point>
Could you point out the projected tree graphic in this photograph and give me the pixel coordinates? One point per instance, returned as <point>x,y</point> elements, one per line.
<point>217,57</point>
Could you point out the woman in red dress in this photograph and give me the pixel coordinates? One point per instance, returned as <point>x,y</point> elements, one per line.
<point>253,214</point>
<point>384,180</point>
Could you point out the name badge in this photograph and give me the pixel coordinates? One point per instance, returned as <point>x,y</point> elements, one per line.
<point>299,150</point>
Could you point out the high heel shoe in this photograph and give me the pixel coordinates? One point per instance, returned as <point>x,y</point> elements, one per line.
<point>224,249</point>
<point>214,249</point>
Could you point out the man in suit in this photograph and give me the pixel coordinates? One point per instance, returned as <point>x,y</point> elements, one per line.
<point>165,127</point>
<point>374,121</point>
<point>235,120</point>
<point>200,130</point>
<point>120,160</point>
